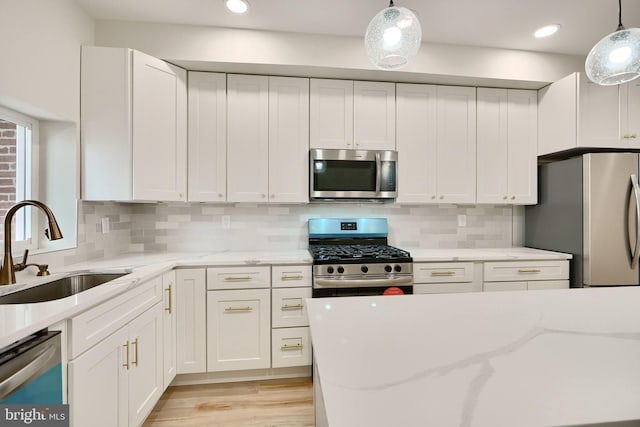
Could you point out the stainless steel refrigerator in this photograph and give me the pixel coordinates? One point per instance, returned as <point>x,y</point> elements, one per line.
<point>589,206</point>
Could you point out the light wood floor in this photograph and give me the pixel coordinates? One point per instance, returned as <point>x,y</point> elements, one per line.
<point>272,403</point>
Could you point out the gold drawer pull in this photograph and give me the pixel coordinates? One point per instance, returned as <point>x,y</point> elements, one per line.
<point>135,362</point>
<point>231,309</point>
<point>443,273</point>
<point>298,277</point>
<point>287,347</point>
<point>168,290</point>
<point>126,352</point>
<point>236,278</point>
<point>529,270</point>
<point>292,307</point>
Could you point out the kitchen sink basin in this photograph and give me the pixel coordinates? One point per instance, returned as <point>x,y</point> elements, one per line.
<point>59,288</point>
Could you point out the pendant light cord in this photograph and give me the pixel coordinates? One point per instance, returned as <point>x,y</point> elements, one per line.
<point>620,26</point>
<point>391,3</point>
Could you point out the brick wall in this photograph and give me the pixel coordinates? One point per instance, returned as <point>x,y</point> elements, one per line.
<point>7,168</point>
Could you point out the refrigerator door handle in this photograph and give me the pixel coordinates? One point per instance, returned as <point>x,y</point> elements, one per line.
<point>636,193</point>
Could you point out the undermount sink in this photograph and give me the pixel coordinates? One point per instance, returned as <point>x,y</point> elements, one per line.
<point>60,288</point>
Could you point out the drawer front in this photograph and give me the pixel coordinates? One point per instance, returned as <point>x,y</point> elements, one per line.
<point>290,276</point>
<point>547,284</point>
<point>239,277</point>
<point>445,288</point>
<point>92,326</point>
<point>510,271</point>
<point>290,347</point>
<point>442,272</point>
<point>288,307</point>
<point>504,286</point>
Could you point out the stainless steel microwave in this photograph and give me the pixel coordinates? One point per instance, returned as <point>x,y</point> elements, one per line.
<point>352,174</point>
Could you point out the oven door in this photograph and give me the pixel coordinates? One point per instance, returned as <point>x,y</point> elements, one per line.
<point>344,174</point>
<point>362,287</point>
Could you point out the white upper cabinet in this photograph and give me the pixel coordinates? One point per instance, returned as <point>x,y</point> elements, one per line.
<point>134,126</point>
<point>576,113</point>
<point>207,137</point>
<point>506,146</point>
<point>267,139</point>
<point>247,138</point>
<point>288,140</point>
<point>436,127</point>
<point>352,115</point>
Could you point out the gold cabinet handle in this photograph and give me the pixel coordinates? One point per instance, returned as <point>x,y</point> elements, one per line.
<point>513,197</point>
<point>169,291</point>
<point>443,273</point>
<point>220,195</point>
<point>292,307</point>
<point>298,277</point>
<point>232,309</point>
<point>505,198</point>
<point>441,197</point>
<point>126,363</point>
<point>287,347</point>
<point>633,135</point>
<point>528,270</point>
<point>135,362</point>
<point>236,278</point>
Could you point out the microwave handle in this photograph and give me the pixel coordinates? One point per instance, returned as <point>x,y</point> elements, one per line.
<point>378,172</point>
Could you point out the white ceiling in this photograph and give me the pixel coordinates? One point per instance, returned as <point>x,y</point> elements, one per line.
<point>495,23</point>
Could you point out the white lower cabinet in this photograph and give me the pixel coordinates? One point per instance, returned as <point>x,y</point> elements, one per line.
<point>446,277</point>
<point>191,321</point>
<point>238,329</point>
<point>526,275</point>
<point>290,347</point>
<point>118,381</point>
<point>169,327</point>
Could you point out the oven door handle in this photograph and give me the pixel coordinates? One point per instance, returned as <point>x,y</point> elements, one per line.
<point>352,283</point>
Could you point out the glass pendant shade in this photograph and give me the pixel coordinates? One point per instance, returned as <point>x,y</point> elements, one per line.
<point>616,58</point>
<point>393,37</point>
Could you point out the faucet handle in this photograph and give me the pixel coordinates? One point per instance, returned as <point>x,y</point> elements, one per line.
<point>42,270</point>
<point>22,265</point>
<point>24,257</point>
<point>46,233</point>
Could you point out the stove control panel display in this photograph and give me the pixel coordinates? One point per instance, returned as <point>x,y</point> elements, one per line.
<point>349,226</point>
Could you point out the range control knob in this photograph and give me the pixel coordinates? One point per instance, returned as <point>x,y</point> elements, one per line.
<point>341,269</point>
<point>387,268</point>
<point>364,268</point>
<point>397,268</point>
<point>329,270</point>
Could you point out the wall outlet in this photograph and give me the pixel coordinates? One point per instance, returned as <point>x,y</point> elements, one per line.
<point>462,220</point>
<point>105,225</point>
<point>226,221</point>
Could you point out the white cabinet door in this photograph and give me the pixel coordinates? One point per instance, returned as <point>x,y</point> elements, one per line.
<point>374,115</point>
<point>630,120</point>
<point>507,146</point>
<point>207,137</point>
<point>191,321</point>
<point>599,115</point>
<point>456,146</point>
<point>288,140</point>
<point>238,330</point>
<point>145,355</point>
<point>98,383</point>
<point>558,115</point>
<point>159,129</point>
<point>331,114</point>
<point>247,138</point>
<point>493,146</point>
<point>169,328</point>
<point>416,142</point>
<point>291,347</point>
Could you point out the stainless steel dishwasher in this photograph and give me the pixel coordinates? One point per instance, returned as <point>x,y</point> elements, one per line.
<point>31,370</point>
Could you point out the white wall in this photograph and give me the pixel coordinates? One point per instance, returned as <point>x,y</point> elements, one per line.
<point>270,52</point>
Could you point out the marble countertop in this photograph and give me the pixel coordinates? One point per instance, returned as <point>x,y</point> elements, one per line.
<point>521,358</point>
<point>491,254</point>
<point>19,320</point>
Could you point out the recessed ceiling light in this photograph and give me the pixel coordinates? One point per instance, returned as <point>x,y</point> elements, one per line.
<point>546,31</point>
<point>237,6</point>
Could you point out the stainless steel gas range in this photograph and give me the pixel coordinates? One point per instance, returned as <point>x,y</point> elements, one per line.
<point>351,256</point>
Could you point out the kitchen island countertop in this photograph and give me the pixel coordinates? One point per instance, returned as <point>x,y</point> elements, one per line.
<point>521,358</point>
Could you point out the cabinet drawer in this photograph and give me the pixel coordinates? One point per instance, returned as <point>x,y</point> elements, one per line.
<point>239,277</point>
<point>288,307</point>
<point>525,271</point>
<point>92,326</point>
<point>290,276</point>
<point>290,347</point>
<point>547,284</point>
<point>442,272</point>
<point>444,288</point>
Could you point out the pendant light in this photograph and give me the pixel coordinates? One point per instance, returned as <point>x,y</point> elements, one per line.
<point>616,58</point>
<point>393,37</point>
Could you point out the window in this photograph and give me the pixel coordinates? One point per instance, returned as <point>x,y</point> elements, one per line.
<point>18,142</point>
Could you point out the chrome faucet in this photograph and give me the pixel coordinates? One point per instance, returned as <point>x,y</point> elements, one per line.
<point>7,273</point>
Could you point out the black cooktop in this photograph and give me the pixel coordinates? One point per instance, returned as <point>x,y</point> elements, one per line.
<point>354,253</point>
